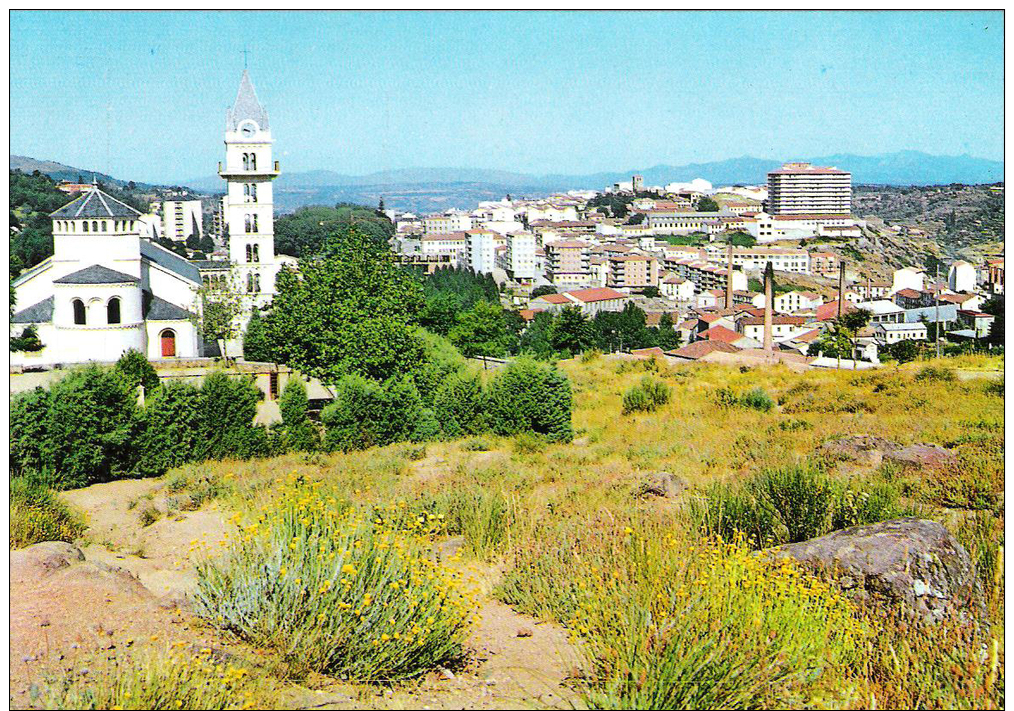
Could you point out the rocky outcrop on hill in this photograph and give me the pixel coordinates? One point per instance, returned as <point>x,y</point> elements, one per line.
<point>911,563</point>
<point>662,484</point>
<point>58,564</point>
<point>873,451</point>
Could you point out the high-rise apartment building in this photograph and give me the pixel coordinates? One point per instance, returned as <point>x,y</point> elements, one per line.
<point>804,189</point>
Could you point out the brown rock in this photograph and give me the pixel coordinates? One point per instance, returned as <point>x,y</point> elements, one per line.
<point>922,456</point>
<point>864,449</point>
<point>662,484</point>
<point>524,632</point>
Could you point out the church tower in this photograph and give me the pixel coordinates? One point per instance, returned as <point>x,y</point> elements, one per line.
<point>248,209</point>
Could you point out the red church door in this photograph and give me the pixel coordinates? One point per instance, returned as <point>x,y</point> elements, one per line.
<point>168,344</point>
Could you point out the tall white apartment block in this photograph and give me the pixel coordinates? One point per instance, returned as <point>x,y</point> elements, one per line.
<point>481,250</point>
<point>182,219</point>
<point>519,257</point>
<point>804,189</point>
<point>248,207</point>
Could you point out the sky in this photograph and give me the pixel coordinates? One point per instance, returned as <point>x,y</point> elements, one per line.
<point>143,95</point>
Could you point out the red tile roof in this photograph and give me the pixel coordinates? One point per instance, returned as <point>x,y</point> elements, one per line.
<point>775,321</point>
<point>648,352</point>
<point>721,333</point>
<point>699,349</point>
<point>553,299</point>
<point>602,293</point>
<point>828,311</point>
<point>908,293</point>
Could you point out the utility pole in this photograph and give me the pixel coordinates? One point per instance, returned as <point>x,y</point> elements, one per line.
<point>936,304</point>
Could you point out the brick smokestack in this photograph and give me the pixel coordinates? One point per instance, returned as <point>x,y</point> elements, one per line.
<point>841,288</point>
<point>728,281</point>
<point>769,304</point>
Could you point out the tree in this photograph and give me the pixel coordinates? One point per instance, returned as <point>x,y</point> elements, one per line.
<point>172,429</point>
<point>542,291</point>
<point>305,232</point>
<point>228,407</point>
<point>481,332</point>
<point>300,435</point>
<point>349,311</point>
<point>206,244</point>
<point>528,396</point>
<point>28,341</point>
<point>221,306</point>
<point>193,241</point>
<point>571,332</point>
<point>256,345</point>
<point>440,314</point>
<point>706,204</point>
<point>535,340</point>
<point>136,370</point>
<point>903,351</point>
<point>668,337</point>
<point>651,292</point>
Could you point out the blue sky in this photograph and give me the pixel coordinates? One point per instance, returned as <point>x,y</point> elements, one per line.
<point>143,95</point>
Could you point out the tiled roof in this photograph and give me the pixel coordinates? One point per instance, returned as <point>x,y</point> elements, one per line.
<point>598,294</point>
<point>95,203</point>
<point>97,274</point>
<point>699,349</point>
<point>775,321</point>
<point>246,106</point>
<point>553,299</point>
<point>168,260</point>
<point>41,312</point>
<point>721,333</point>
<point>158,309</point>
<point>828,311</point>
<point>908,293</point>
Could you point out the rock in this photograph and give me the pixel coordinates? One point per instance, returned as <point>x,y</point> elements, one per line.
<point>43,558</point>
<point>662,484</point>
<point>524,632</point>
<point>909,562</point>
<point>864,449</point>
<point>922,456</point>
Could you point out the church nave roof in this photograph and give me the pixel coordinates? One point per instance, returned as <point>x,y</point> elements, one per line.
<point>95,203</point>
<point>158,309</point>
<point>41,312</point>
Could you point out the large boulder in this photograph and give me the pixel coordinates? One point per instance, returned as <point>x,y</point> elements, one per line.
<point>921,456</point>
<point>909,562</point>
<point>864,449</point>
<point>42,559</point>
<point>662,484</point>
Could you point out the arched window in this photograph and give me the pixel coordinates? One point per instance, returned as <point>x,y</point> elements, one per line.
<point>255,223</point>
<point>105,226</point>
<point>168,340</point>
<point>95,226</point>
<point>249,254</point>
<point>249,283</point>
<point>253,192</point>
<point>257,283</point>
<point>257,253</point>
<point>113,310</point>
<point>253,161</point>
<point>246,161</point>
<point>248,223</point>
<point>86,225</point>
<point>79,311</point>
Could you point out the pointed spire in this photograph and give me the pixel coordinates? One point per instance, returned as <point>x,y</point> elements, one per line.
<point>247,107</point>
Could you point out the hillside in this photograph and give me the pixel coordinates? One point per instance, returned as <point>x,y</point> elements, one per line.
<point>571,554</point>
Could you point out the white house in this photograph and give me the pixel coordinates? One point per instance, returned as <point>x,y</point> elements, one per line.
<point>961,277</point>
<point>908,278</point>
<point>893,332</point>
<point>792,301</point>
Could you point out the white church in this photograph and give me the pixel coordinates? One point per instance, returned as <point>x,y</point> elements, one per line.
<point>108,288</point>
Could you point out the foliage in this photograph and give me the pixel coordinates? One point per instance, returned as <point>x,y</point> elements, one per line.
<point>481,331</point>
<point>528,396</point>
<point>256,344</point>
<point>995,307</point>
<point>348,312</point>
<point>940,373</point>
<point>175,679</point>
<point>756,398</point>
<point>308,231</point>
<point>792,504</point>
<point>542,290</point>
<point>458,405</point>
<point>902,351</point>
<point>228,407</point>
<point>365,413</point>
<point>647,396</point>
<point>667,338</point>
<point>707,204</point>
<point>742,239</point>
<point>450,291</point>
<point>440,361</point>
<point>624,330</point>
<point>171,428</point>
<point>300,434</point>
<point>32,198</point>
<point>571,332</point>
<point>37,515</point>
<point>28,341</point>
<point>221,304</point>
<point>136,370</point>
<point>347,592</point>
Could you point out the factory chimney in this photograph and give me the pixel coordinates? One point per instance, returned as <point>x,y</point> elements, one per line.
<point>769,305</point>
<point>728,281</point>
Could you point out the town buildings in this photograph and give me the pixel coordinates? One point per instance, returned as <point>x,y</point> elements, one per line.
<point>182,219</point>
<point>804,189</point>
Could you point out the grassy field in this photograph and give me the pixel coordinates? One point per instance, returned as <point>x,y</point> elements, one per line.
<point>665,610</point>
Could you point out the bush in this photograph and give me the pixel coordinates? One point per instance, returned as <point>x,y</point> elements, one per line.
<point>458,405</point>
<point>300,434</point>
<point>346,592</point>
<point>366,414</point>
<point>441,360</point>
<point>136,370</point>
<point>647,396</point>
<point>934,373</point>
<point>171,680</point>
<point>171,428</point>
<point>37,515</point>
<point>758,399</point>
<point>528,396</point>
<point>793,504</point>
<point>228,407</point>
<point>256,343</point>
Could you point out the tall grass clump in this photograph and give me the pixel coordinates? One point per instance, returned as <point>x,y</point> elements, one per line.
<point>171,680</point>
<point>792,504</point>
<point>483,516</point>
<point>708,626</point>
<point>37,515</point>
<point>350,592</point>
<point>647,396</point>
<point>756,399</point>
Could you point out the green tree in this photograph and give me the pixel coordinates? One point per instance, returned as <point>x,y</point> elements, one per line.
<point>668,337</point>
<point>528,396</point>
<point>365,413</point>
<point>221,305</point>
<point>350,311</point>
<point>171,428</point>
<point>136,370</point>
<point>571,333</point>
<point>536,338</point>
<point>256,344</point>
<point>300,434</point>
<point>458,405</point>
<point>228,408</point>
<point>994,307</point>
<point>481,332</point>
<point>542,291</point>
<point>902,351</point>
<point>706,204</point>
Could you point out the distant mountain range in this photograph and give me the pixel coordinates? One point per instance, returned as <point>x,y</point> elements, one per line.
<point>425,189</point>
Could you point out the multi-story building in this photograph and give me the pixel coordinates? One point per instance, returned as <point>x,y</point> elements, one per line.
<point>783,328</point>
<point>792,301</point>
<point>706,276</point>
<point>673,222</point>
<point>480,249</point>
<point>782,259</point>
<point>870,289</point>
<point>518,259</point>
<point>804,189</point>
<point>451,243</point>
<point>824,264</point>
<point>632,271</point>
<point>995,276</point>
<point>182,219</point>
<point>568,263</point>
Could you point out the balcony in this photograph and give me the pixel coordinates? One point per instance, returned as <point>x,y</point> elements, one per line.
<point>228,173</point>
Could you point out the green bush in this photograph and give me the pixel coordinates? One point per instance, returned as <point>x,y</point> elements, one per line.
<point>346,592</point>
<point>528,396</point>
<point>794,503</point>
<point>172,428</point>
<point>37,515</point>
<point>441,360</point>
<point>366,414</point>
<point>228,407</point>
<point>758,399</point>
<point>136,370</point>
<point>647,396</point>
<point>300,434</point>
<point>458,405</point>
<point>934,373</point>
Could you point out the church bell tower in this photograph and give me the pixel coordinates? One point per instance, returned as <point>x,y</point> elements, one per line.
<point>248,206</point>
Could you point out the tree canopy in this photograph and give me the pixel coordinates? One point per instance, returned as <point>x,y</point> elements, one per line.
<point>305,232</point>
